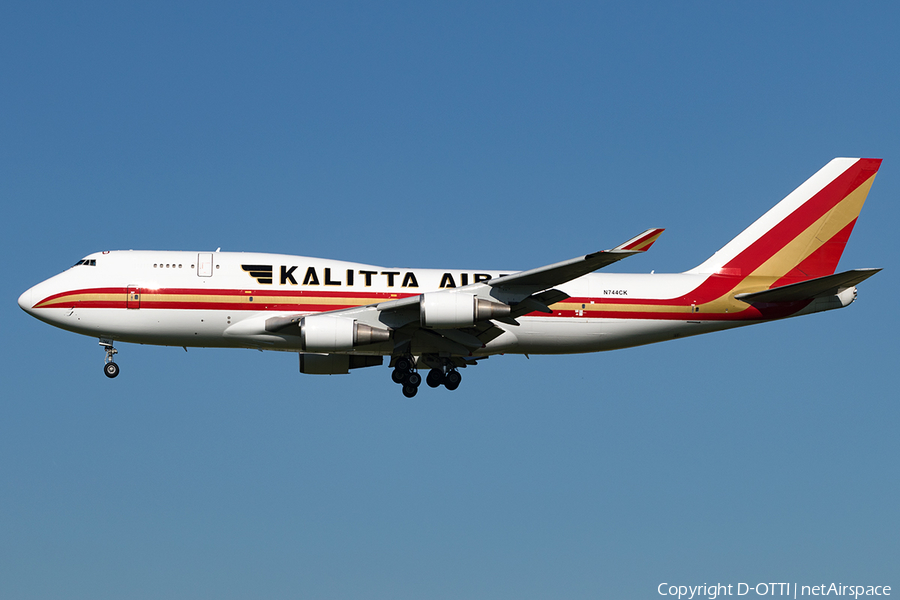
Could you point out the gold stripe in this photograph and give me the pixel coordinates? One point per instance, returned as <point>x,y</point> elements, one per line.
<point>70,298</point>
<point>602,307</point>
<point>184,298</point>
<point>257,299</point>
<point>647,242</point>
<point>814,236</point>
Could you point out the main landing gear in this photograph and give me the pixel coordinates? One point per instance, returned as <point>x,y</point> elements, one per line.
<point>450,378</point>
<point>405,374</point>
<point>110,369</point>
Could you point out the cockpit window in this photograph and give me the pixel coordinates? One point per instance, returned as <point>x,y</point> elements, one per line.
<point>87,262</point>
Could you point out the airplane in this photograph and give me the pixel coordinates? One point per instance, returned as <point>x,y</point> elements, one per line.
<point>340,316</point>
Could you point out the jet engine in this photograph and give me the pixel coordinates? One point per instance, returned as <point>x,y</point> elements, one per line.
<point>327,333</point>
<point>442,310</point>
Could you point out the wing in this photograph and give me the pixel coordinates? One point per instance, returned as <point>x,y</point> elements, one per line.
<point>503,299</point>
<point>547,277</point>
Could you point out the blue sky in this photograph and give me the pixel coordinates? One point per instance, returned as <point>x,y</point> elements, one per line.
<point>493,136</point>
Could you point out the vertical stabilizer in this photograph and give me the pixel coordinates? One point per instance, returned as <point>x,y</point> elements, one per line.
<point>804,235</point>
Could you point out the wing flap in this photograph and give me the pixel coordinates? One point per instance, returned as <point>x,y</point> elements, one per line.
<point>460,337</point>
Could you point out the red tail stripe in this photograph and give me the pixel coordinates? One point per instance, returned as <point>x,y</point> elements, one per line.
<point>821,262</point>
<point>804,216</point>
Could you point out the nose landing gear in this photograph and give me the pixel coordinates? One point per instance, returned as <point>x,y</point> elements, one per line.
<point>110,369</point>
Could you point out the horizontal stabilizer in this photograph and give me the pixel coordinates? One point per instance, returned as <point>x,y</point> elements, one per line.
<point>809,290</point>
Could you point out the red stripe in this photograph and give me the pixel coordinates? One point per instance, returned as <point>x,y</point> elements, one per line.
<point>822,262</point>
<point>305,299</point>
<point>600,308</point>
<point>377,296</point>
<point>643,239</point>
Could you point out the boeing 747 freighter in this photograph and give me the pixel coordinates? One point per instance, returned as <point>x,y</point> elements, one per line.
<point>340,315</point>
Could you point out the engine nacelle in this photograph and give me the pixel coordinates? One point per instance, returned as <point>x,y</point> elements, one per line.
<point>442,310</point>
<point>327,333</point>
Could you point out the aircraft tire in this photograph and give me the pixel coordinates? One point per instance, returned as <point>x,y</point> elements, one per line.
<point>399,376</point>
<point>452,380</point>
<point>435,378</point>
<point>111,369</point>
<point>403,364</point>
<point>414,379</point>
<point>410,390</point>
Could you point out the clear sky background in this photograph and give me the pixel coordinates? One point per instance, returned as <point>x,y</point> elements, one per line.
<point>460,135</point>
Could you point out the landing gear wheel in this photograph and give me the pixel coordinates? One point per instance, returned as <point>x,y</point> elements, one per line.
<point>452,380</point>
<point>403,364</point>
<point>410,390</point>
<point>399,376</point>
<point>435,378</point>
<point>111,369</point>
<point>414,379</point>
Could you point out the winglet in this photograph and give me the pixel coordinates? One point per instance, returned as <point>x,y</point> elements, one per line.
<point>642,242</point>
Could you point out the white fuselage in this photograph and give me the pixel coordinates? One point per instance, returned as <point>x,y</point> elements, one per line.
<point>220,300</point>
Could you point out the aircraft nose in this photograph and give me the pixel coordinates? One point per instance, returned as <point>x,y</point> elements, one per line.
<point>25,300</point>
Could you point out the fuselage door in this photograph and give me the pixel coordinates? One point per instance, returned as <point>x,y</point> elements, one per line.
<point>133,299</point>
<point>205,264</point>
